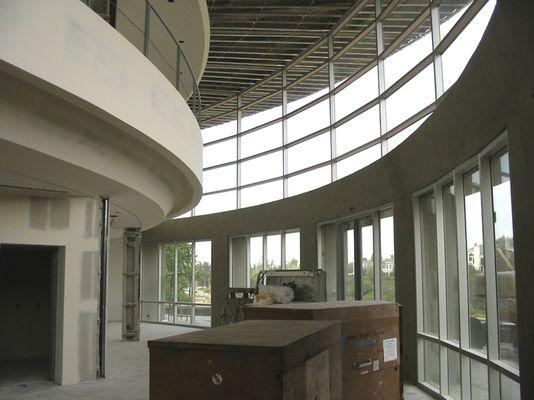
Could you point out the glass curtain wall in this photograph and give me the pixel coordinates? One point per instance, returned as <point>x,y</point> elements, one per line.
<point>467,317</point>
<point>364,246</point>
<point>252,254</point>
<point>185,284</point>
<point>347,101</point>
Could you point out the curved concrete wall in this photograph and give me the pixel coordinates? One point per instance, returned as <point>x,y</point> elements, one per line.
<point>118,100</point>
<point>495,93</point>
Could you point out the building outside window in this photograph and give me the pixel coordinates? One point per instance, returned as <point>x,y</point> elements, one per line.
<point>467,317</point>
<point>360,251</point>
<point>252,254</point>
<point>184,284</point>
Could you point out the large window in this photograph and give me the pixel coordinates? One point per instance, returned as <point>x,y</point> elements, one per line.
<point>467,318</point>
<point>184,285</point>
<point>358,257</point>
<point>325,117</point>
<point>252,254</point>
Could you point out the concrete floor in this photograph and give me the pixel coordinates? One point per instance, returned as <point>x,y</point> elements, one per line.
<point>127,373</point>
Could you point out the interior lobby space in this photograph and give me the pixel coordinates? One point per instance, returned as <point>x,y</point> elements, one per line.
<point>266,199</point>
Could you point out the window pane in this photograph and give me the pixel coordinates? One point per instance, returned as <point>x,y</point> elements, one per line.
<point>184,279</point>
<point>348,260</point>
<point>429,263</point>
<point>366,259</point>
<point>431,354</point>
<point>262,140</point>
<point>358,93</point>
<point>262,117</point>
<point>415,95</point>
<point>202,316</point>
<point>262,168</point>
<point>167,273</point>
<point>475,262</point>
<point>220,153</point>
<point>358,161</point>
<point>308,121</point>
<point>308,153</point>
<point>479,381</point>
<point>213,203</point>
<point>455,374</point>
<point>407,57</point>
<point>256,258</point>
<point>292,250</point>
<point>405,133</point>
<point>387,256</point>
<point>358,131</point>
<point>274,251</point>
<point>504,259</point>
<point>219,178</point>
<point>238,247</point>
<point>203,272</point>
<point>293,105</point>
<point>460,51</point>
<point>262,193</point>
<point>450,12</point>
<point>451,263</point>
<point>329,259</point>
<point>309,180</point>
<point>510,389</point>
<point>219,131</point>
<point>183,314</point>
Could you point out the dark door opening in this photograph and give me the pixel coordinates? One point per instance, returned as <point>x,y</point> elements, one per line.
<point>27,312</point>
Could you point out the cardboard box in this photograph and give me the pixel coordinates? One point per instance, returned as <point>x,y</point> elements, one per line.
<point>371,342</point>
<point>285,360</point>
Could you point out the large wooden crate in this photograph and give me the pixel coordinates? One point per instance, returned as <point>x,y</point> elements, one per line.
<point>285,360</point>
<point>371,349</point>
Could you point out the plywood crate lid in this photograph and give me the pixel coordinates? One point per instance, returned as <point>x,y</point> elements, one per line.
<point>295,340</point>
<point>347,310</point>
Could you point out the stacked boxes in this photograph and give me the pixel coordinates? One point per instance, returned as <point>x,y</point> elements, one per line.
<point>371,342</point>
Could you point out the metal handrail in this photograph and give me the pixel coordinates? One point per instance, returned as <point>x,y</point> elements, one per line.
<point>195,101</point>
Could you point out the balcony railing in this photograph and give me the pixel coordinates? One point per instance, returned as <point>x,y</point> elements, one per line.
<point>164,51</point>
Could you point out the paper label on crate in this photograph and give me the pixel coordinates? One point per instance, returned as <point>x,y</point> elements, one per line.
<point>390,349</point>
<point>376,365</point>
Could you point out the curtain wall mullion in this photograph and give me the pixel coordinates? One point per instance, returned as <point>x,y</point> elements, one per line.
<point>332,103</point>
<point>238,152</point>
<point>377,255</point>
<point>381,76</point>
<point>283,250</point>
<point>285,168</point>
<point>175,281</point>
<point>436,39</point>
<point>247,272</point>
<point>159,281</point>
<point>442,295</point>
<point>463,292</point>
<point>193,281</point>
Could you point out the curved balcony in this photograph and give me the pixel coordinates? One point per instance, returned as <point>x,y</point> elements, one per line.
<point>84,113</point>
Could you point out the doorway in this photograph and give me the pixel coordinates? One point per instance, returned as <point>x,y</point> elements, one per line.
<point>27,296</point>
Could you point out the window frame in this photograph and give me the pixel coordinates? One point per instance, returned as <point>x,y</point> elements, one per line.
<point>495,366</point>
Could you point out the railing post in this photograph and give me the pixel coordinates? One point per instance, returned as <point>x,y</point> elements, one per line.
<point>146,43</point>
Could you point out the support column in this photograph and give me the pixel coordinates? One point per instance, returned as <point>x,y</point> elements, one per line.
<point>131,284</point>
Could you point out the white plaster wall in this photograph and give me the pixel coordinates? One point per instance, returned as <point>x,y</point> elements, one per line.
<point>72,53</point>
<point>72,225</point>
<point>115,268</point>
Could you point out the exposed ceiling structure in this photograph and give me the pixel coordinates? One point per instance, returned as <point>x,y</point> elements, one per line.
<point>252,40</point>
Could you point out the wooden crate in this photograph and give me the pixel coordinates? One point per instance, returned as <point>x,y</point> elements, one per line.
<point>371,350</point>
<point>285,360</point>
